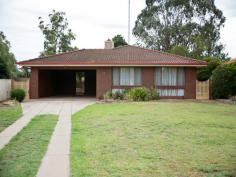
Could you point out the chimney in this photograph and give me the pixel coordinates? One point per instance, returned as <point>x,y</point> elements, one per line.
<point>109,44</point>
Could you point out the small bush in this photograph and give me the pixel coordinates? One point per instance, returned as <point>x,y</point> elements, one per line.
<point>118,95</point>
<point>233,98</point>
<point>140,94</point>
<point>107,95</point>
<point>18,94</point>
<point>154,94</point>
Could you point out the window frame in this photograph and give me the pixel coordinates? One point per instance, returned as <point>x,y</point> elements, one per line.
<point>121,86</point>
<point>169,86</point>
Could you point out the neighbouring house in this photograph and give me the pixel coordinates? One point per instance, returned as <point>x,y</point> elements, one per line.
<point>231,61</point>
<point>95,71</point>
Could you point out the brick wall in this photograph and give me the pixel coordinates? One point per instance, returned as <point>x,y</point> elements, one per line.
<point>104,81</point>
<point>34,87</point>
<point>190,83</point>
<point>148,77</point>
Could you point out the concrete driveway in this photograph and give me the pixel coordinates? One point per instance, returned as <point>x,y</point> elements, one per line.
<point>56,160</point>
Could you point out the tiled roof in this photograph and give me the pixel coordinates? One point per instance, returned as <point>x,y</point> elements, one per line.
<point>231,61</point>
<point>126,55</point>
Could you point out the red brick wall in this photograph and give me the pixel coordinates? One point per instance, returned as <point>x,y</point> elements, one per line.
<point>45,83</point>
<point>34,87</point>
<point>190,83</point>
<point>148,77</point>
<point>104,81</point>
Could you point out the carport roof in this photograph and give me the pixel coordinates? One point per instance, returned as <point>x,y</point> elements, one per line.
<point>120,56</point>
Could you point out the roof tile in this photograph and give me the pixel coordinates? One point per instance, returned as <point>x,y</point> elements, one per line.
<point>125,55</point>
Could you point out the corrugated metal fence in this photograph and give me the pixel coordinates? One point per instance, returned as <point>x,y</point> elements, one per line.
<point>5,89</point>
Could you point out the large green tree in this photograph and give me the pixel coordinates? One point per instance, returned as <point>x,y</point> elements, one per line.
<point>58,36</point>
<point>119,40</point>
<point>194,24</point>
<point>7,59</point>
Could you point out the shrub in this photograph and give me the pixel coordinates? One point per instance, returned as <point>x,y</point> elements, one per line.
<point>107,95</point>
<point>118,95</point>
<point>154,94</point>
<point>18,94</point>
<point>224,82</point>
<point>233,98</point>
<point>140,94</point>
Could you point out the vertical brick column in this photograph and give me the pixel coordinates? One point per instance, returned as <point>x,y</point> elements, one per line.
<point>104,81</point>
<point>34,83</point>
<point>148,77</point>
<point>190,83</point>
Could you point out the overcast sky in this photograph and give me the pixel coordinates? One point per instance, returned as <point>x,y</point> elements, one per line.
<point>93,21</point>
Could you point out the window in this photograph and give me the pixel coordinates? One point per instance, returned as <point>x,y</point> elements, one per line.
<point>165,76</point>
<point>171,92</point>
<point>168,79</point>
<point>126,76</point>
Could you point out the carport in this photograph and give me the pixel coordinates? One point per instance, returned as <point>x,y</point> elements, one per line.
<point>66,82</point>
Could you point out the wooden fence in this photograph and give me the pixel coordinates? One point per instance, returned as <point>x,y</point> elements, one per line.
<point>22,84</point>
<point>203,90</point>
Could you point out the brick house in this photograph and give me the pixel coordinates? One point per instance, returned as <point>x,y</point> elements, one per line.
<point>95,71</point>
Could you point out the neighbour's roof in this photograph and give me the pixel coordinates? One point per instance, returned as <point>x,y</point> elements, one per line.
<point>120,56</point>
<point>231,61</point>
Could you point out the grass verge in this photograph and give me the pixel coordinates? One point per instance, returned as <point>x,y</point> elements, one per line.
<point>154,139</point>
<point>23,155</point>
<point>9,115</point>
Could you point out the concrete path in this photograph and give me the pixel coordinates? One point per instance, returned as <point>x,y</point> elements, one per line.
<point>56,162</point>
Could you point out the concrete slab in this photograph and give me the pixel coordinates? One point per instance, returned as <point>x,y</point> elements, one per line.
<point>56,162</point>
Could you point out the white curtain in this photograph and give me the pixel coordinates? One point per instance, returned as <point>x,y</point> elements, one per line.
<point>124,76</point>
<point>131,76</point>
<point>158,76</point>
<point>167,76</point>
<point>137,76</point>
<point>127,76</point>
<point>171,92</point>
<point>181,77</point>
<point>116,76</point>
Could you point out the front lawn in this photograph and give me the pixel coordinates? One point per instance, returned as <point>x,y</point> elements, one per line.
<point>154,139</point>
<point>8,115</point>
<point>23,155</point>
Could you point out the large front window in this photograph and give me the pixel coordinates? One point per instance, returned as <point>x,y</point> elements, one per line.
<point>170,81</point>
<point>126,76</point>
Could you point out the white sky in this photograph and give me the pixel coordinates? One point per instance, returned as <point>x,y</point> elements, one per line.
<point>93,21</point>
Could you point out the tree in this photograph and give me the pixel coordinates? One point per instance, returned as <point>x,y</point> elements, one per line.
<point>205,73</point>
<point>224,81</point>
<point>194,24</point>
<point>179,50</point>
<point>119,40</point>
<point>7,59</point>
<point>57,36</point>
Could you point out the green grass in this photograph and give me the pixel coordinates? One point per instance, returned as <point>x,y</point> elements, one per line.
<point>154,139</point>
<point>9,115</point>
<point>23,155</point>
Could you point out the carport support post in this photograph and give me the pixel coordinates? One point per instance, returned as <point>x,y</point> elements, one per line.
<point>34,83</point>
